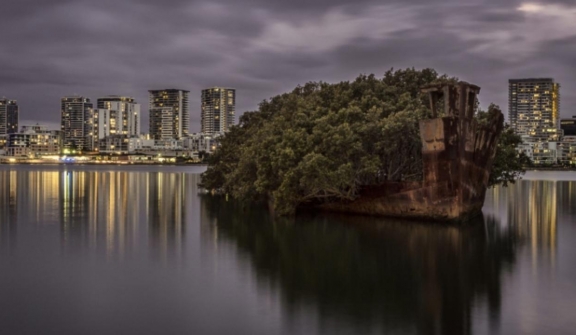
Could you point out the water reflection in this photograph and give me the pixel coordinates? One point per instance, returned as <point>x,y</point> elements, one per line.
<point>98,235</point>
<point>167,210</point>
<point>117,212</point>
<point>375,276</point>
<point>531,209</point>
<point>8,227</point>
<point>394,275</point>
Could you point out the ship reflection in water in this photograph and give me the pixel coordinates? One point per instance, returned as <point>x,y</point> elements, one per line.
<point>392,276</point>
<point>399,276</point>
<point>150,255</point>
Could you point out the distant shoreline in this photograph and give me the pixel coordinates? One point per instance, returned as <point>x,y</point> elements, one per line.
<point>551,169</point>
<point>105,163</point>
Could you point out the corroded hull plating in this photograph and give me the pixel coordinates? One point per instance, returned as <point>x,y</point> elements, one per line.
<point>457,158</point>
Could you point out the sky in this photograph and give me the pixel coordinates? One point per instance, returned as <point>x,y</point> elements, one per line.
<point>262,48</point>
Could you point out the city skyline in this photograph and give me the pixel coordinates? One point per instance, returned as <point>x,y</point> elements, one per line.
<point>264,49</point>
<point>145,117</point>
<point>205,101</point>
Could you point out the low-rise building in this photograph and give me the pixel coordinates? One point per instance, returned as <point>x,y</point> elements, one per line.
<point>121,144</point>
<point>540,153</point>
<point>34,141</point>
<point>200,142</point>
<point>567,151</point>
<point>562,152</point>
<point>195,146</point>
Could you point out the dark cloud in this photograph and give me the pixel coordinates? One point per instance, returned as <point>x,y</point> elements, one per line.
<point>262,48</point>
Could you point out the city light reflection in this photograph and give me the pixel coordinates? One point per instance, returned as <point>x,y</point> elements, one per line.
<point>110,211</point>
<point>531,209</point>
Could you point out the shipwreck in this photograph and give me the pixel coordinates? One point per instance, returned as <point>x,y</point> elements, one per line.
<point>457,157</point>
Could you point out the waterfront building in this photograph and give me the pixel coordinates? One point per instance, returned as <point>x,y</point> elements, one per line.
<point>541,153</point>
<point>125,112</point>
<point>115,115</point>
<point>567,152</point>
<point>34,141</point>
<point>201,142</point>
<point>122,144</point>
<point>77,123</point>
<point>534,108</point>
<point>549,153</point>
<point>567,147</point>
<point>169,114</point>
<point>218,109</point>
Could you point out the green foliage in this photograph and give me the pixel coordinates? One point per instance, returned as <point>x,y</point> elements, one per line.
<point>324,142</point>
<point>509,165</point>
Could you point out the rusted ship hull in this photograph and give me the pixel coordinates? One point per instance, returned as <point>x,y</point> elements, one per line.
<point>432,203</point>
<point>457,157</point>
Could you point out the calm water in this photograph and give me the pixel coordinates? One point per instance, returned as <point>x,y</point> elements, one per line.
<point>112,250</point>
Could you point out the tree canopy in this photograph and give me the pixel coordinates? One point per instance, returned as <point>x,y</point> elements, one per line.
<point>324,142</point>
<point>508,163</point>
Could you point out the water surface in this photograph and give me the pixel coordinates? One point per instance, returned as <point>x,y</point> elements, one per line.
<point>137,250</point>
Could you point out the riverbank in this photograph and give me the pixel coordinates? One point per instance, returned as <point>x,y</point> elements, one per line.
<point>101,160</point>
<point>98,163</point>
<point>551,168</point>
<point>549,175</point>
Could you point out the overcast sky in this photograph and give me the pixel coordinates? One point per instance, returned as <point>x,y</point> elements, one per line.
<point>53,48</point>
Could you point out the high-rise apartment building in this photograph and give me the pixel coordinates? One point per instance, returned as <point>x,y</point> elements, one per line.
<point>534,108</point>
<point>115,115</point>
<point>76,123</point>
<point>128,113</point>
<point>8,117</point>
<point>169,114</point>
<point>218,109</point>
